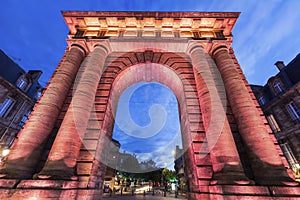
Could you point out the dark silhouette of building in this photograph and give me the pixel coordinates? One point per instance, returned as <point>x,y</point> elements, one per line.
<point>19,91</point>
<point>112,163</point>
<point>280,102</point>
<point>179,168</point>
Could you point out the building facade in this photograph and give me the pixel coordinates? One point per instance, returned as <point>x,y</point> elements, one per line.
<point>18,93</point>
<point>280,102</point>
<point>179,168</point>
<point>112,160</point>
<point>60,153</point>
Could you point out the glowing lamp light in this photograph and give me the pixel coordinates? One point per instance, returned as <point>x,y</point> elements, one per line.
<point>173,152</point>
<point>5,152</point>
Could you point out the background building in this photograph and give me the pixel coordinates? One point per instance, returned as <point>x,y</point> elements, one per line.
<point>18,93</point>
<point>112,162</point>
<point>280,102</point>
<point>179,168</point>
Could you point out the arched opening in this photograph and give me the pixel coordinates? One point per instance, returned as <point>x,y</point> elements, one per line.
<point>135,79</point>
<point>147,123</point>
<point>147,127</point>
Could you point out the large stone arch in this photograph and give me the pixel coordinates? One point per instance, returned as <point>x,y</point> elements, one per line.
<point>230,151</point>
<point>148,72</point>
<point>178,78</point>
<point>176,71</point>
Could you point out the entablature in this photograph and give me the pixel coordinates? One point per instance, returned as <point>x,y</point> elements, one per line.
<point>195,25</point>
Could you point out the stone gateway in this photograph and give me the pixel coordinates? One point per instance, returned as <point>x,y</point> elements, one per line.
<point>229,149</point>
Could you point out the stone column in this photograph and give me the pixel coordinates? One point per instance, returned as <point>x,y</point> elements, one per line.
<point>265,162</point>
<point>62,158</point>
<point>225,159</point>
<point>26,151</point>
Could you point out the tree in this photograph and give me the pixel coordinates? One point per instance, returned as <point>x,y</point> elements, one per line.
<point>130,164</point>
<point>168,175</point>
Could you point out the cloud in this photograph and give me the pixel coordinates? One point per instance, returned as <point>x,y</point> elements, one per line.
<point>163,155</point>
<point>268,25</point>
<point>144,101</point>
<point>126,123</point>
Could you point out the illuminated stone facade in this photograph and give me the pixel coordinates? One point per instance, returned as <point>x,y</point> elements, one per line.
<point>229,150</point>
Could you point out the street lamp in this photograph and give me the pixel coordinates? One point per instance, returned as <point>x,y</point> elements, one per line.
<point>3,153</point>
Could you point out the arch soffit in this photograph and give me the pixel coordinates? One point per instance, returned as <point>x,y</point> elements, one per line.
<point>147,72</point>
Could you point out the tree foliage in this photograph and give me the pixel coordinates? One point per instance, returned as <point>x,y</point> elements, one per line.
<point>168,175</point>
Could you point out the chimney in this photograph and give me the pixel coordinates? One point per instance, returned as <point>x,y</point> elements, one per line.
<point>280,65</point>
<point>35,74</point>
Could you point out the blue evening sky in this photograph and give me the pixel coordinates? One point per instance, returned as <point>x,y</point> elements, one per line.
<point>147,123</point>
<point>33,33</point>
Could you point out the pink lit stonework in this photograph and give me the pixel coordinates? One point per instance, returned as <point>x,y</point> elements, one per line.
<point>229,149</point>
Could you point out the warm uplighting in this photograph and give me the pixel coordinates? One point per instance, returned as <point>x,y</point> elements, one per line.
<point>207,34</point>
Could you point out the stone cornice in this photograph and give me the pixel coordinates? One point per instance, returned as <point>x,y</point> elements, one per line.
<point>15,91</point>
<point>198,25</point>
<point>150,14</point>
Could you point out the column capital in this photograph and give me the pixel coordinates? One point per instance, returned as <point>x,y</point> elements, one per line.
<point>204,44</point>
<point>88,45</point>
<point>102,43</point>
<point>219,45</point>
<point>81,43</point>
<point>209,46</point>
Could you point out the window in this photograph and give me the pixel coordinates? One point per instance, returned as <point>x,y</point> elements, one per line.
<point>22,83</point>
<point>24,118</point>
<point>287,151</point>
<point>293,111</point>
<point>4,107</point>
<point>11,141</point>
<point>37,95</point>
<point>273,123</point>
<point>262,100</point>
<point>277,87</point>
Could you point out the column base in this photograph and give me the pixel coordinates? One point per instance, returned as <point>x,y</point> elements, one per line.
<point>230,179</point>
<point>246,192</point>
<point>56,170</point>
<point>55,176</point>
<point>269,181</point>
<point>231,175</point>
<point>16,169</point>
<point>46,189</point>
<point>15,174</point>
<point>273,175</point>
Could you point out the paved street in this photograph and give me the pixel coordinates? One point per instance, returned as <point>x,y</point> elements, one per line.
<point>158,195</point>
<point>141,197</point>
